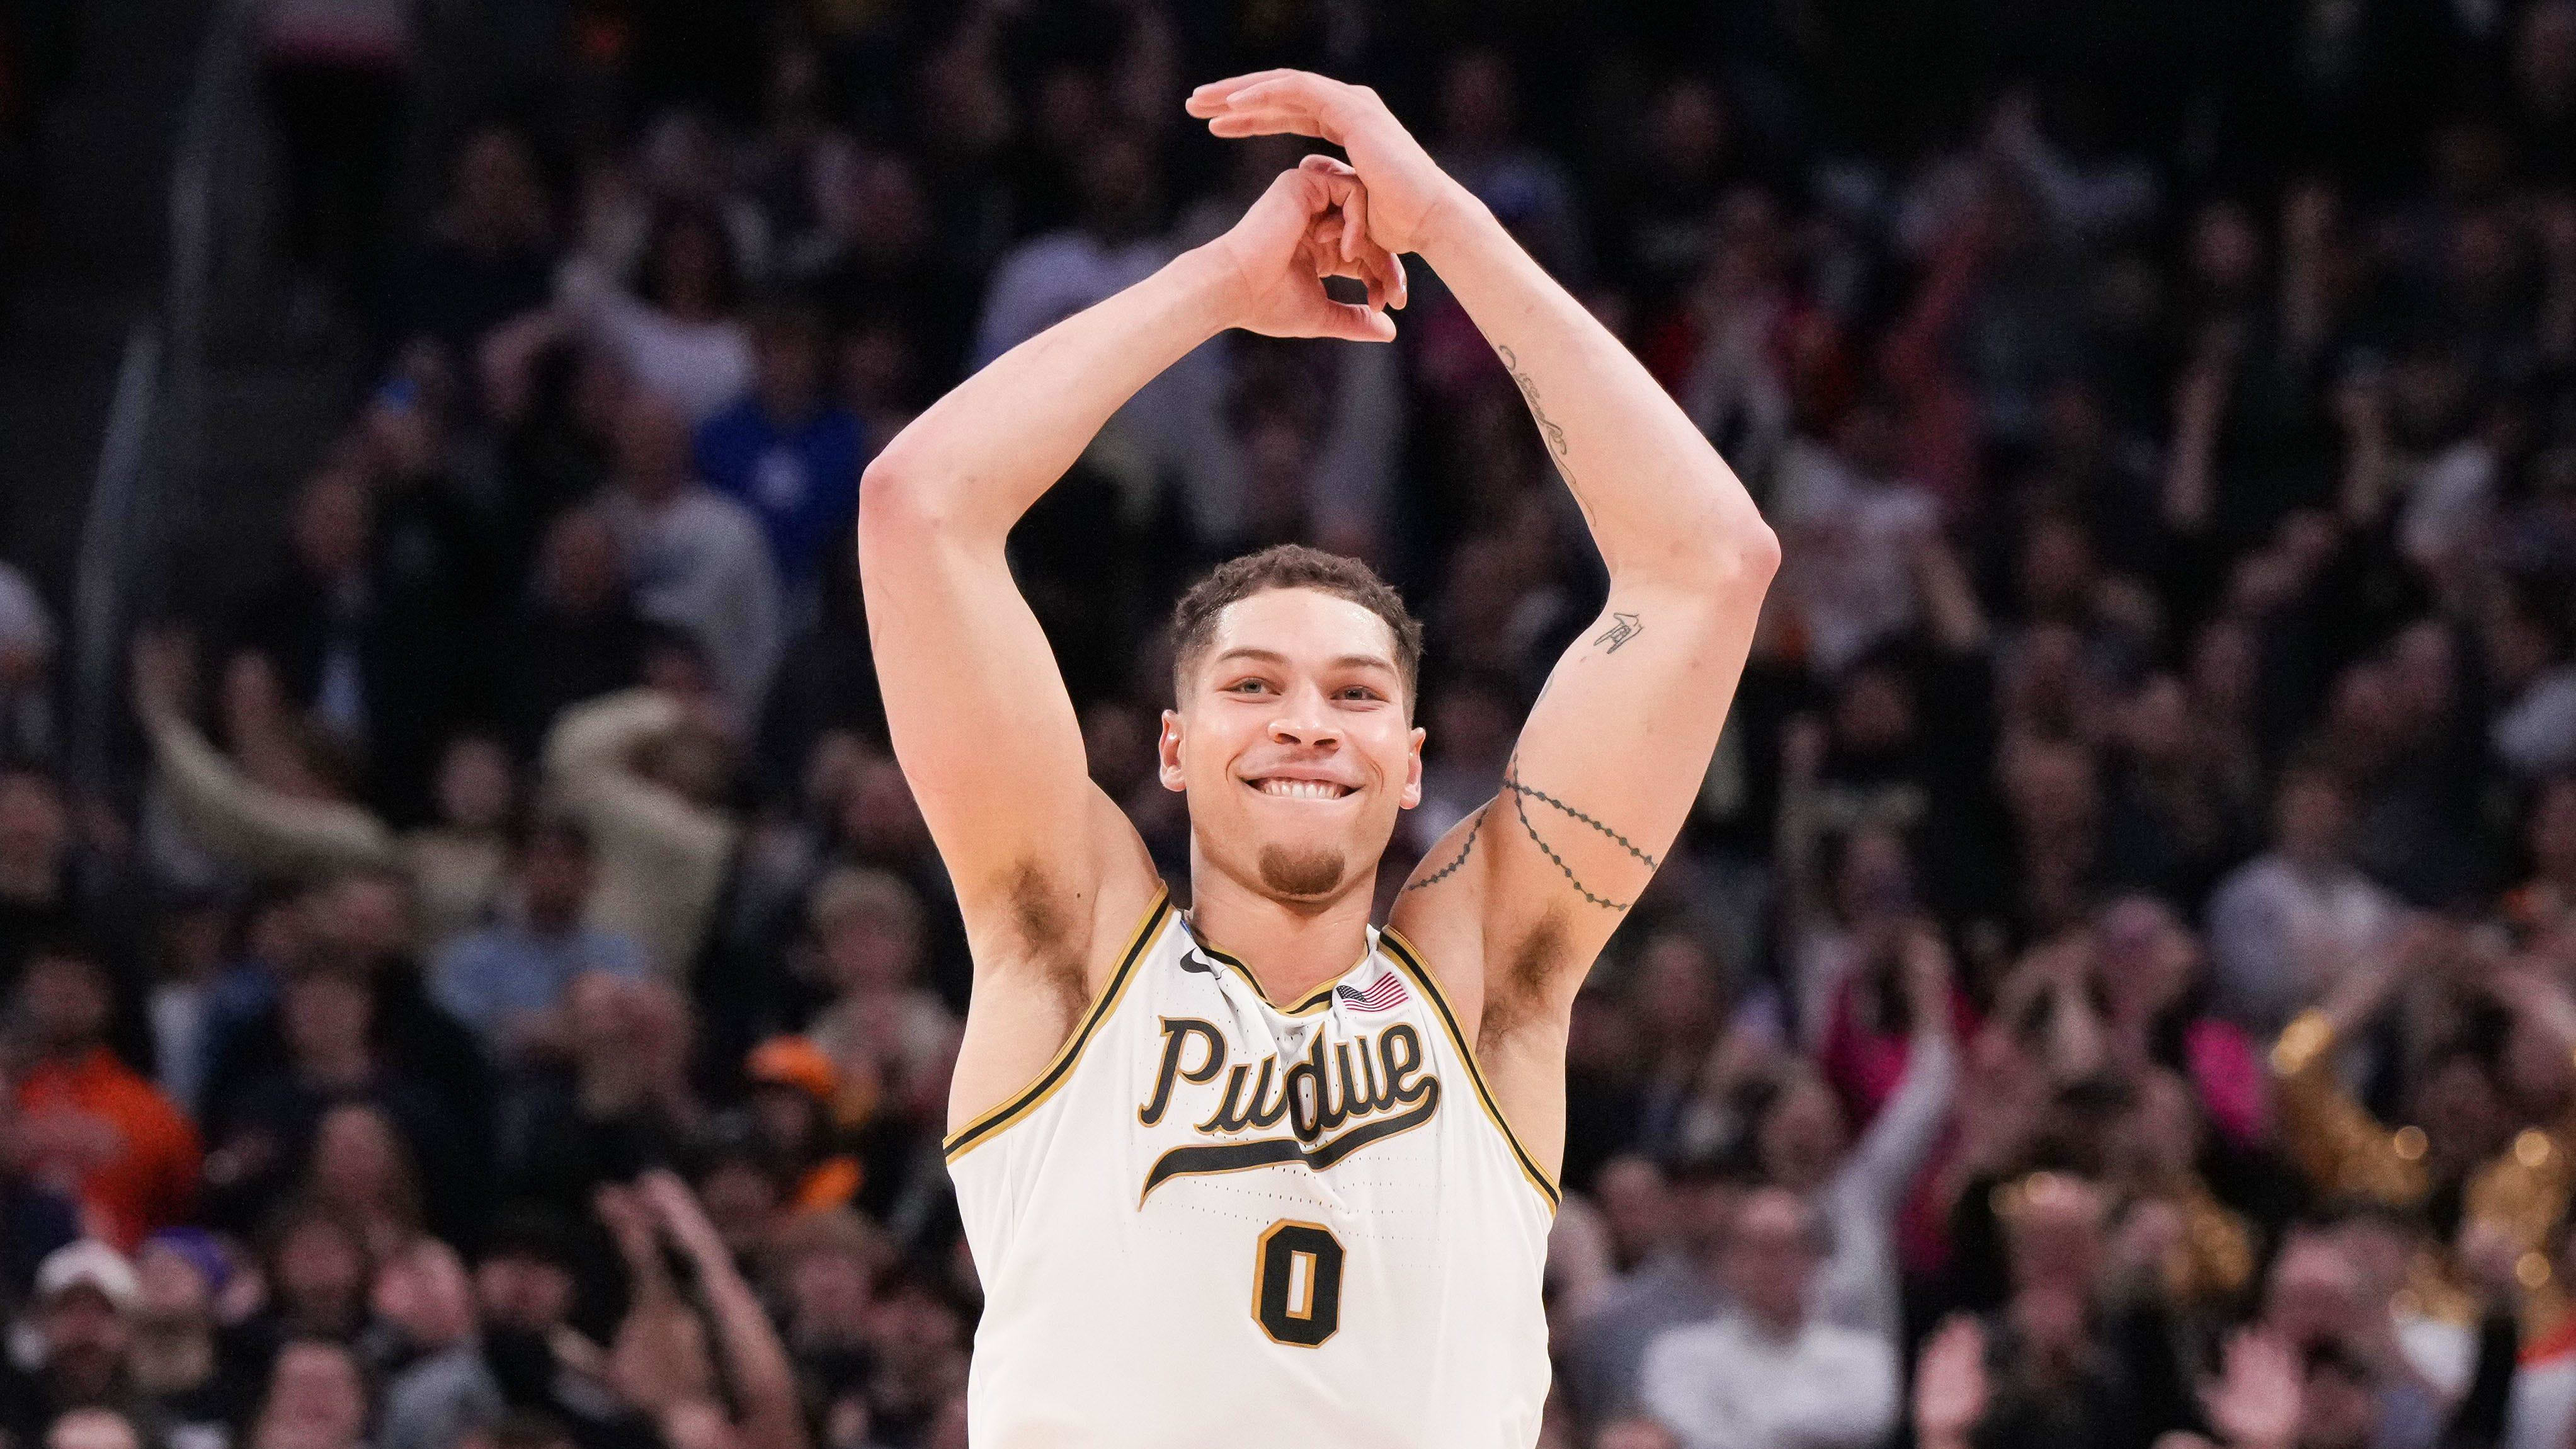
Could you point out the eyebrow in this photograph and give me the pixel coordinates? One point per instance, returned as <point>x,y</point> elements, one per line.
<point>1346,661</point>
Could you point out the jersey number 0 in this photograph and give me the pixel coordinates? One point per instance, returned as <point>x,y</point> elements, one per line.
<point>1297,1283</point>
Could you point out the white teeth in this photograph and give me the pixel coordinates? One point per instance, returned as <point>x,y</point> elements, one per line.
<point>1301,789</point>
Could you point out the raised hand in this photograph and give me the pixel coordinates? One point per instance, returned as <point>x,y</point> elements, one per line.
<point>1409,199</point>
<point>1950,1383</point>
<point>1302,230</point>
<point>2255,1402</point>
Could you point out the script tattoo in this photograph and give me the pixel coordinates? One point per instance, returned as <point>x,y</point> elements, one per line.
<point>1623,627</point>
<point>1529,393</point>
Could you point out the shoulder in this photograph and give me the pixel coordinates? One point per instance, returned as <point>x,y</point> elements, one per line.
<point>1852,1350</point>
<point>1689,1348</point>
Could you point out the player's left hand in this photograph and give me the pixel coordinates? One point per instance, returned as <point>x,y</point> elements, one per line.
<point>1410,199</point>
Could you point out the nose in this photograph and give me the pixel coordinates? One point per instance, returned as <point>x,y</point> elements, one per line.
<point>1303,720</point>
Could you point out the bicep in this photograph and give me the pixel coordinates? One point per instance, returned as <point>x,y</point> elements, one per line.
<point>1606,770</point>
<point>980,720</point>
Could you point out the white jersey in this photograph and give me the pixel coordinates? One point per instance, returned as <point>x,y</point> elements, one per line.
<point>1213,1220</point>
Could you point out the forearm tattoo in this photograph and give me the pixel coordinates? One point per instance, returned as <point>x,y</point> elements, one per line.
<point>1521,796</point>
<point>1623,627</point>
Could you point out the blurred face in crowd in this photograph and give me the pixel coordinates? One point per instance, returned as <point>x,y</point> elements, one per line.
<point>1770,1254</point>
<point>474,784</point>
<point>522,1293</point>
<point>325,1016</point>
<point>320,1273</point>
<point>555,878</point>
<point>787,359</point>
<point>1476,100</point>
<point>359,1161</point>
<point>1688,130</point>
<point>1801,1137</point>
<point>363,917</point>
<point>33,830</point>
<point>2338,1405</point>
<point>2226,250</point>
<point>827,1290</point>
<point>333,520</point>
<point>500,199</point>
<point>873,946</point>
<point>86,1339</point>
<point>2462,1113</point>
<point>2552,835</point>
<point>652,448</point>
<point>173,1290</point>
<point>1677,989</point>
<point>2309,819</point>
<point>1636,1204</point>
<point>64,999</point>
<point>1876,880</point>
<point>685,271</point>
<point>1874,712</point>
<point>741,1200</point>
<point>582,573</point>
<point>316,1399</point>
<point>2145,959</point>
<point>424,1291</point>
<point>2053,1234</point>
<point>92,1429</point>
<point>1293,744</point>
<point>2315,1293</point>
<point>1635,1434</point>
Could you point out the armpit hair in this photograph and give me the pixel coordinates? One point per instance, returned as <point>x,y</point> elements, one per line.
<point>1515,993</point>
<point>1050,938</point>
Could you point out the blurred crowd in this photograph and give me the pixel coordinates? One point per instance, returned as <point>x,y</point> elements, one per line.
<point>2119,978</point>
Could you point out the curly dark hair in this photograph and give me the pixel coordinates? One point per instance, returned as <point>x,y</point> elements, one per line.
<point>1292,566</point>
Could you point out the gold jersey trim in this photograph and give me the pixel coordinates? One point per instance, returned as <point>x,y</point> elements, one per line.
<point>1013,1108</point>
<point>1411,960</point>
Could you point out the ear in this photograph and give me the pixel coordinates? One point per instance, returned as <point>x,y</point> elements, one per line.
<point>1412,795</point>
<point>1167,747</point>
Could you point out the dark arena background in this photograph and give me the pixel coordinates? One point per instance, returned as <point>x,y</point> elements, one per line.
<point>475,978</point>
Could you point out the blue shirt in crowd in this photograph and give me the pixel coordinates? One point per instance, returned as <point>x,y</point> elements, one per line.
<point>487,976</point>
<point>801,480</point>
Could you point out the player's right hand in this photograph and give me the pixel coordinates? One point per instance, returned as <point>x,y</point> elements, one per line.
<point>1275,259</point>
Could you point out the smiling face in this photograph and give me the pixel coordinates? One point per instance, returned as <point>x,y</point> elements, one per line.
<point>1294,743</point>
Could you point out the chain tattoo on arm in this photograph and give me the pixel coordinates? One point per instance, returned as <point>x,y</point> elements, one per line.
<point>1521,796</point>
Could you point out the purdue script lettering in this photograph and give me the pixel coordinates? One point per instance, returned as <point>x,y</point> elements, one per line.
<point>1377,1082</point>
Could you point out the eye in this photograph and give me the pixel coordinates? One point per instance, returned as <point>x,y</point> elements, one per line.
<point>1248,686</point>
<point>1360,691</point>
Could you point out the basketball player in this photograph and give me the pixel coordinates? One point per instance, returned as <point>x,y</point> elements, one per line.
<point>1258,1173</point>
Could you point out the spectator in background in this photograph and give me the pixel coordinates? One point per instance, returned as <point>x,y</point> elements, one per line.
<point>508,980</point>
<point>646,772</point>
<point>790,452</point>
<point>701,562</point>
<point>317,1398</point>
<point>679,333</point>
<point>85,1296</point>
<point>1477,142</point>
<point>196,1390</point>
<point>1763,1375</point>
<point>578,635</point>
<point>29,728</point>
<point>490,253</point>
<point>2285,926</point>
<point>88,1124</point>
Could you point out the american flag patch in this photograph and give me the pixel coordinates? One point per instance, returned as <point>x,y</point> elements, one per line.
<point>1385,992</point>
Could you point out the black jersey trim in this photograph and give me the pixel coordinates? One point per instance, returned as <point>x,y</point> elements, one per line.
<point>1411,960</point>
<point>1013,1108</point>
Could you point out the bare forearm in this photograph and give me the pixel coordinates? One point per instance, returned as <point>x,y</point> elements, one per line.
<point>984,453</point>
<point>1657,496</point>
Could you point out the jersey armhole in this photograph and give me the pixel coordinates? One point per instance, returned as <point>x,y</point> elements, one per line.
<point>1410,959</point>
<point>1021,1103</point>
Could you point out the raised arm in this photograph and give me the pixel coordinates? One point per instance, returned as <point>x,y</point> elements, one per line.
<point>1615,749</point>
<point>1047,870</point>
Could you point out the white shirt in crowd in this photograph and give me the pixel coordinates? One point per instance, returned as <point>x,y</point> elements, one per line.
<point>702,565</point>
<point>1730,1384</point>
<point>1852,579</point>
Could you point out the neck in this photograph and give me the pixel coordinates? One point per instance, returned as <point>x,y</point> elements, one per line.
<point>173,1359</point>
<point>1291,947</point>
